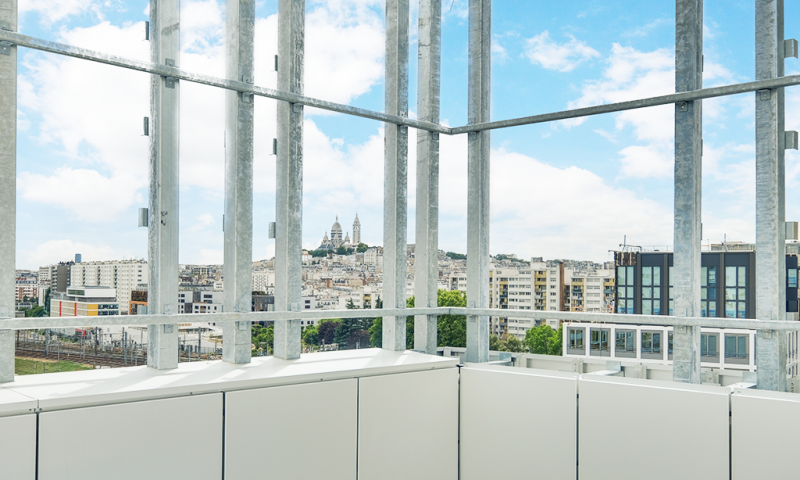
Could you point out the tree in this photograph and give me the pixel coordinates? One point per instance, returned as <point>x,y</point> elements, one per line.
<point>543,340</point>
<point>318,253</point>
<point>350,305</point>
<point>362,247</point>
<point>451,330</point>
<point>36,311</point>
<point>311,336</point>
<point>264,337</point>
<point>494,343</point>
<point>376,333</point>
<point>341,250</point>
<point>512,343</point>
<point>456,256</point>
<point>352,333</point>
<point>327,329</point>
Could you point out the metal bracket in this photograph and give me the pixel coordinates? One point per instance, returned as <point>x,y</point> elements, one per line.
<point>144,217</point>
<point>247,79</point>
<point>294,307</point>
<point>790,140</point>
<point>147,31</point>
<point>275,146</point>
<point>169,82</point>
<point>163,219</point>
<point>276,63</point>
<point>241,326</point>
<point>4,25</point>
<point>790,48</point>
<point>683,106</point>
<point>764,95</point>
<point>271,229</point>
<point>146,126</point>
<point>246,97</point>
<point>5,48</point>
<point>297,108</point>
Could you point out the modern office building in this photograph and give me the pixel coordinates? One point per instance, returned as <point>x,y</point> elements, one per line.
<point>84,301</point>
<point>124,276</point>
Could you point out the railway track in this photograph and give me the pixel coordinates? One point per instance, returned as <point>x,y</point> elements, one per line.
<point>87,359</point>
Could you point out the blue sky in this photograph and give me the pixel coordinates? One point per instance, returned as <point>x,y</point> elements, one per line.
<point>567,190</point>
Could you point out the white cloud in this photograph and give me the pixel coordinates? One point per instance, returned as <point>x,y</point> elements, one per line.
<point>54,10</point>
<point>563,57</point>
<point>202,221</point>
<point>589,228</point>
<point>54,251</point>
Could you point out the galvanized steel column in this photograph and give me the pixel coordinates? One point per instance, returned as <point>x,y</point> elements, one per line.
<point>781,164</point>
<point>395,174</point>
<point>8,186</point>
<point>688,181</point>
<point>289,193</point>
<point>480,57</point>
<point>162,295</point>
<point>770,344</point>
<point>427,227</point>
<point>238,224</point>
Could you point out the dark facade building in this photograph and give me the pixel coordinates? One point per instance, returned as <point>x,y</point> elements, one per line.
<point>728,284</point>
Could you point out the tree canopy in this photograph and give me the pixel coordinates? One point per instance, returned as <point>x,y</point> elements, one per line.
<point>456,256</point>
<point>543,340</point>
<point>362,247</point>
<point>451,330</point>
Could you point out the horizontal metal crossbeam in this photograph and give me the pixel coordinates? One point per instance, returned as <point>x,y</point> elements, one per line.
<point>177,73</point>
<point>35,323</point>
<point>701,94</point>
<point>167,71</point>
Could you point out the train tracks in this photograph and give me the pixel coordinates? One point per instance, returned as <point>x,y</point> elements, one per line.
<point>114,361</point>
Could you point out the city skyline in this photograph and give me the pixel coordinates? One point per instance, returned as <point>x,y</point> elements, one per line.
<point>81,183</point>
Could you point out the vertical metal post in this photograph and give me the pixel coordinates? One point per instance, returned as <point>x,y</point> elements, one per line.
<point>770,345</point>
<point>480,57</point>
<point>241,18</point>
<point>395,174</point>
<point>427,227</point>
<point>8,187</point>
<point>781,167</point>
<point>688,188</point>
<point>162,297</point>
<point>289,202</point>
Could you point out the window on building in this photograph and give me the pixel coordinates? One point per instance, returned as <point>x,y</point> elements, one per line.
<point>791,277</point>
<point>671,285</point>
<point>625,282</point>
<point>708,345</point>
<point>735,346</point>
<point>598,344</point>
<point>708,291</point>
<point>625,345</point>
<point>651,345</point>
<point>651,290</point>
<point>735,292</point>
<point>576,338</point>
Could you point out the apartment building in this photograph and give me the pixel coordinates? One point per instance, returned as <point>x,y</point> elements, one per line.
<point>124,276</point>
<point>84,301</point>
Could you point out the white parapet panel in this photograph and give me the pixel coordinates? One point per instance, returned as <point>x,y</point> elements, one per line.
<point>764,428</point>
<point>408,426</point>
<point>170,438</point>
<point>292,432</point>
<point>631,428</point>
<point>18,447</point>
<point>543,423</point>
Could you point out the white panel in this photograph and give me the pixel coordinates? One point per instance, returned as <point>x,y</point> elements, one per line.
<point>295,432</point>
<point>508,413</point>
<point>172,438</point>
<point>764,428</point>
<point>649,429</point>
<point>18,447</point>
<point>408,426</point>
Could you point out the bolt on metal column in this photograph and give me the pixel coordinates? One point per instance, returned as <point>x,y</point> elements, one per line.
<point>395,174</point>
<point>241,18</point>
<point>289,192</point>
<point>688,188</point>
<point>162,296</point>
<point>427,227</point>
<point>8,186</point>
<point>480,57</point>
<point>770,253</point>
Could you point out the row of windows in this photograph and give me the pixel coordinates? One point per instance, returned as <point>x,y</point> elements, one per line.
<point>736,345</point>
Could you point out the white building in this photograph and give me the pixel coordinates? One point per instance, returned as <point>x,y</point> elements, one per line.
<point>123,275</point>
<point>263,280</point>
<point>83,301</point>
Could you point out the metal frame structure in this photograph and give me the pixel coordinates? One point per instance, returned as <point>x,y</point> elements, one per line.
<point>166,76</point>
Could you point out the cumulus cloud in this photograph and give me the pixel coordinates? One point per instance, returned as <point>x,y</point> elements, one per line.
<point>564,57</point>
<point>55,10</point>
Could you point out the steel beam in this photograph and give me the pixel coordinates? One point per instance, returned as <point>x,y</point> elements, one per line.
<point>480,56</point>
<point>162,295</point>
<point>8,187</point>
<point>688,188</point>
<point>238,221</point>
<point>770,344</point>
<point>426,263</point>
<point>710,322</point>
<point>395,174</point>
<point>289,192</point>
<point>139,66</point>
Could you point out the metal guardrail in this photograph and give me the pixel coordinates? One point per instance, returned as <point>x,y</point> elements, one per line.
<point>144,320</point>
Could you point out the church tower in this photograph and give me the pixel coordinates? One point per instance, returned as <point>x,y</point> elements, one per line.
<point>356,232</point>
